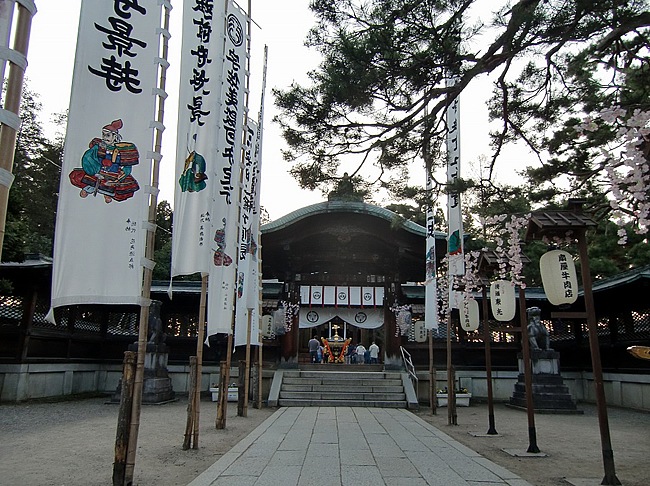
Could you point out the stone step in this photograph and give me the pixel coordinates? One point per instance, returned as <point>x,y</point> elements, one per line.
<point>375,387</point>
<point>285,402</point>
<point>343,375</point>
<point>343,396</point>
<point>341,383</point>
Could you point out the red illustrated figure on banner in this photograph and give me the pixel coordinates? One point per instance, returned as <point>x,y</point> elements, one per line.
<point>221,258</point>
<point>106,166</point>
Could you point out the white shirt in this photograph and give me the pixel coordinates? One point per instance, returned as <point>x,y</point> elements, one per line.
<point>374,350</point>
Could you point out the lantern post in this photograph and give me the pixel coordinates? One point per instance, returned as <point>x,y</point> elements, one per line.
<point>558,224</point>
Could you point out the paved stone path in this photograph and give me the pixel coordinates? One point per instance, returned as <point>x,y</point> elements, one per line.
<point>352,447</point>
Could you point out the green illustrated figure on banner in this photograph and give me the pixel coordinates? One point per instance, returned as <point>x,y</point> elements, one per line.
<point>193,177</point>
<point>106,166</point>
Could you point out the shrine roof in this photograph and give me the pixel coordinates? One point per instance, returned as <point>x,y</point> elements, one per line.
<point>328,207</point>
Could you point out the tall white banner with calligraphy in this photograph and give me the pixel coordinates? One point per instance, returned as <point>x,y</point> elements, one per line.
<point>227,174</point>
<point>247,268</point>
<point>455,254</point>
<point>106,176</point>
<point>431,287</point>
<point>197,153</point>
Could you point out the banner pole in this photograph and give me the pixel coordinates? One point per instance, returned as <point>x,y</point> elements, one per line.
<point>8,134</point>
<point>199,361</point>
<point>148,272</point>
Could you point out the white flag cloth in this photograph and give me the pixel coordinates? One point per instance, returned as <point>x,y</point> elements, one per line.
<point>247,280</point>
<point>431,287</point>
<point>454,213</point>
<point>105,181</point>
<point>196,147</point>
<point>225,207</point>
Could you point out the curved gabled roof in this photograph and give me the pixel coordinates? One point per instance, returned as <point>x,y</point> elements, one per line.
<point>329,207</point>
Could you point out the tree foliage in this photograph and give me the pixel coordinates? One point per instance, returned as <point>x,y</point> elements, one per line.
<point>31,210</point>
<point>384,81</point>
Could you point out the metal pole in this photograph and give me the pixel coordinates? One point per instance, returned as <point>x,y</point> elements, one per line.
<point>606,444</point>
<point>528,375</point>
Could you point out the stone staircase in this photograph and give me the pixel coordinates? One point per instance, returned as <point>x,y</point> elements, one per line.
<point>350,388</point>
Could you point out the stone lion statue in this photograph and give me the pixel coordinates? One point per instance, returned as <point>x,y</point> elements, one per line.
<point>537,333</point>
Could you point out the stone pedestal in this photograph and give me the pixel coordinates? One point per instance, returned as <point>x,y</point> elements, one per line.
<point>550,394</point>
<point>157,385</point>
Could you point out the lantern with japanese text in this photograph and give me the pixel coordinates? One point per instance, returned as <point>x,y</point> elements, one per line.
<point>469,317</point>
<point>559,277</point>
<point>420,332</point>
<point>502,300</point>
<point>267,326</point>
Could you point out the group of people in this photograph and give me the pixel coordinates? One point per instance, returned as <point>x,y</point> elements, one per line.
<point>355,353</point>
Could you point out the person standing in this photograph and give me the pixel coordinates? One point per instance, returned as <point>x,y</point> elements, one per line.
<point>374,353</point>
<point>361,350</point>
<point>313,346</point>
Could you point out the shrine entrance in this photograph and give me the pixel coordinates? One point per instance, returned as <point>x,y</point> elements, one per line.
<point>342,316</point>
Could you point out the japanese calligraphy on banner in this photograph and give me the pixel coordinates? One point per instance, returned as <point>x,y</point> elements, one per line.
<point>197,153</point>
<point>227,173</point>
<point>247,267</point>
<point>454,212</point>
<point>431,285</point>
<point>103,197</point>
<point>559,277</point>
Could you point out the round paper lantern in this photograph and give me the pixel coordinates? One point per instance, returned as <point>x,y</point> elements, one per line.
<point>502,300</point>
<point>559,277</point>
<point>469,315</point>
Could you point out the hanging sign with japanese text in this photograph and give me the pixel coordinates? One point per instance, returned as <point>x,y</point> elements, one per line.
<point>227,173</point>
<point>106,176</point>
<point>201,68</point>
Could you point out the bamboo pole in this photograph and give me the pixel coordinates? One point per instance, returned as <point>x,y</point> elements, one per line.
<point>432,376</point>
<point>248,363</point>
<point>8,134</point>
<point>222,390</point>
<point>199,361</point>
<point>148,272</point>
<point>189,424</point>
<point>123,417</point>
<point>260,368</point>
<point>223,403</point>
<point>452,419</point>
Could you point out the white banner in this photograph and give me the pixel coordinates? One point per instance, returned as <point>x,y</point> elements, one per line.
<point>248,279</point>
<point>201,66</point>
<point>363,318</point>
<point>454,212</point>
<point>227,174</point>
<point>103,197</point>
<point>431,287</point>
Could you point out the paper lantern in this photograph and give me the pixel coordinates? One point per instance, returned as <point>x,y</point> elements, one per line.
<point>469,318</point>
<point>267,326</point>
<point>559,277</point>
<point>502,300</point>
<point>420,331</point>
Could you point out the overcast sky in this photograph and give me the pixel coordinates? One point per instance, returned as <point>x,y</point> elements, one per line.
<point>284,25</point>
